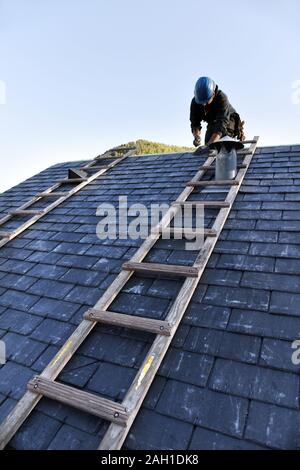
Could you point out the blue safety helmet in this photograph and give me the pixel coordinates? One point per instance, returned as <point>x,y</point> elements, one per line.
<point>204,90</point>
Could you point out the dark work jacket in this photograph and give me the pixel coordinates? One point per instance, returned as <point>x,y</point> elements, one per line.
<point>219,114</point>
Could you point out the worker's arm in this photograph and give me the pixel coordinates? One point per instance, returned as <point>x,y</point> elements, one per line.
<point>214,138</point>
<point>196,116</point>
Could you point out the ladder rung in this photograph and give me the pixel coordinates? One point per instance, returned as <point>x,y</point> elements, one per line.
<point>26,212</point>
<point>129,321</point>
<point>249,141</point>
<point>4,234</point>
<point>53,194</point>
<point>189,231</point>
<point>212,166</point>
<point>202,203</point>
<point>214,183</point>
<point>85,168</point>
<point>170,269</point>
<point>72,180</point>
<point>88,402</point>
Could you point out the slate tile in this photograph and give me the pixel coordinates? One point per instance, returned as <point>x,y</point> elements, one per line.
<point>281,205</point>
<point>278,354</point>
<point>13,379</point>
<point>289,237</point>
<point>291,225</point>
<point>274,426</point>
<point>108,265</point>
<point>16,281</point>
<point>281,250</point>
<point>264,197</point>
<point>206,315</point>
<point>232,247</point>
<point>52,308</point>
<point>47,272</point>
<point>204,407</point>
<point>199,292</point>
<point>135,285</point>
<point>112,380</point>
<point>219,277</point>
<point>223,344</point>
<point>15,253</point>
<point>42,429</point>
<point>84,277</point>
<point>180,336</point>
<point>203,439</point>
<point>78,371</point>
<point>291,215</point>
<point>117,350</point>
<point>164,288</point>
<point>181,365</point>
<point>140,305</point>
<point>66,237</point>
<point>256,382</point>
<point>108,280</point>
<point>285,303</point>
<point>32,234</point>
<point>18,242</point>
<point>42,245</point>
<point>154,392</point>
<point>6,407</point>
<point>186,258</point>
<point>2,399</point>
<point>83,421</point>
<point>46,258</point>
<point>151,431</point>
<point>53,332</point>
<point>278,282</point>
<point>263,324</point>
<point>16,266</point>
<point>50,288</point>
<point>70,438</point>
<point>246,263</point>
<point>21,349</point>
<point>18,300</point>
<point>253,236</point>
<point>236,222</point>
<point>77,261</point>
<point>237,297</point>
<point>98,250</point>
<point>84,295</point>
<point>72,248</point>
<point>45,358</point>
<point>257,215</point>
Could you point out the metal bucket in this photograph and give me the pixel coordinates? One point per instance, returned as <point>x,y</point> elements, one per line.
<point>226,164</point>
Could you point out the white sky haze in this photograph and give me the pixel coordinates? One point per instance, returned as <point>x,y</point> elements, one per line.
<point>80,76</point>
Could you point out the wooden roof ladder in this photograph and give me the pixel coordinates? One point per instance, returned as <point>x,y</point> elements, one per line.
<point>122,415</point>
<point>76,176</point>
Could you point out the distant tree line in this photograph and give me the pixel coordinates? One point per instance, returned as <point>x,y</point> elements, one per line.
<point>147,147</point>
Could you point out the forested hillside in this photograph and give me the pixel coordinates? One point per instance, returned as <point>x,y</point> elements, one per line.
<point>147,146</point>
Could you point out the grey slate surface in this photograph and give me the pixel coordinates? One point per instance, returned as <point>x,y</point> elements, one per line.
<point>228,381</point>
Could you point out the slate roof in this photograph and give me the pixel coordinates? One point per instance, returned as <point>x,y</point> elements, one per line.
<point>228,381</point>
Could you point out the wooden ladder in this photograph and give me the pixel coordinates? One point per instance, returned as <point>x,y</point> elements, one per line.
<point>122,415</point>
<point>80,182</point>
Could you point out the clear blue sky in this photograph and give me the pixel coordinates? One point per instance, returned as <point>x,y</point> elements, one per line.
<point>82,76</point>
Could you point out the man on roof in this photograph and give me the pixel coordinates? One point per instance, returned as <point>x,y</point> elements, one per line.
<point>211,105</point>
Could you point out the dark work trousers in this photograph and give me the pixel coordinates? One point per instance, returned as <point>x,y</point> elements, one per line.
<point>210,130</point>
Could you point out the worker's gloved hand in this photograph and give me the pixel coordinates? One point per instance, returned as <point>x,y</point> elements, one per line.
<point>197,141</point>
<point>242,136</point>
<point>196,131</point>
